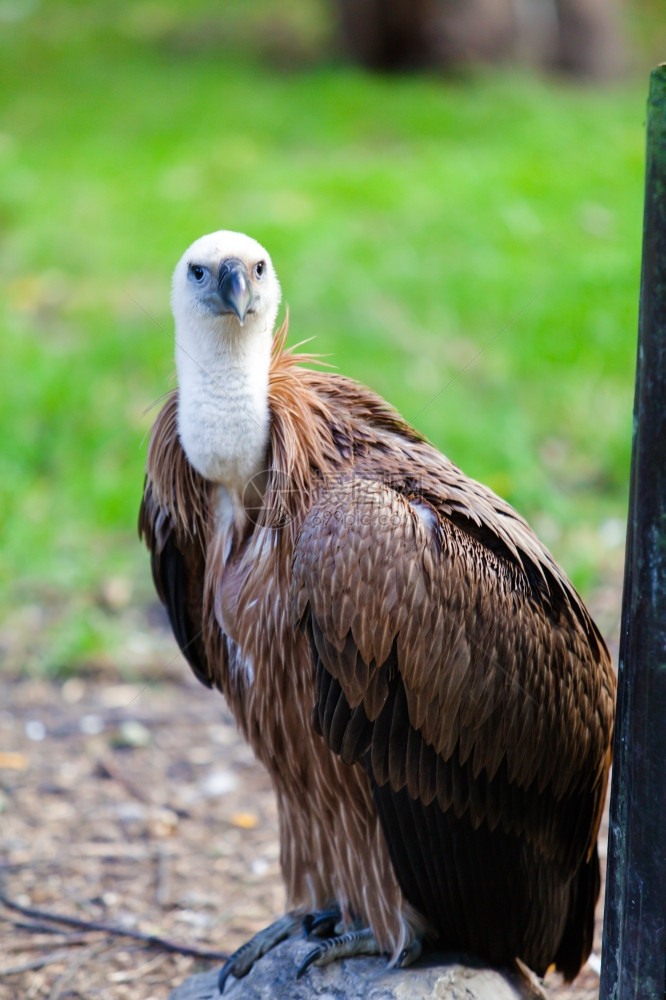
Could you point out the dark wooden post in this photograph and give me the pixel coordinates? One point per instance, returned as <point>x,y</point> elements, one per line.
<point>634,947</point>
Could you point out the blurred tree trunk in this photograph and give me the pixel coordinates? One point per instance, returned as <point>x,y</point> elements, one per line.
<point>580,37</point>
<point>588,38</point>
<point>387,34</point>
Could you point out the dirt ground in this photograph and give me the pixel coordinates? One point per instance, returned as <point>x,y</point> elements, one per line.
<point>140,806</point>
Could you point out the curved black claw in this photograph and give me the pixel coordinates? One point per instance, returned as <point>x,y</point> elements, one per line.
<point>321,922</point>
<point>232,966</point>
<point>311,957</point>
<point>240,963</point>
<point>409,954</point>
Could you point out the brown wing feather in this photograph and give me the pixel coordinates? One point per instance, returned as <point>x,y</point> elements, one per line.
<point>485,708</point>
<point>172,522</point>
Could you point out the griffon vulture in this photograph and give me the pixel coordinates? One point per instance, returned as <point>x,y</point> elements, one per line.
<point>426,689</point>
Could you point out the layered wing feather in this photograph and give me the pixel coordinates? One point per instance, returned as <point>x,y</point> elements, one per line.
<point>483,712</point>
<point>172,522</point>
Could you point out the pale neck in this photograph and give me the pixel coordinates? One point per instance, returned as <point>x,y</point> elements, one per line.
<point>223,415</point>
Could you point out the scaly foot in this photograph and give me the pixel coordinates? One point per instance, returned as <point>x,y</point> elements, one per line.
<point>351,943</point>
<point>240,963</point>
<point>356,942</point>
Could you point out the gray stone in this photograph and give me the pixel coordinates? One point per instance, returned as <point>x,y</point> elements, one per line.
<point>436,977</point>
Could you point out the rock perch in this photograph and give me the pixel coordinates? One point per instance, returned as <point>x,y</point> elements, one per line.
<point>437,977</point>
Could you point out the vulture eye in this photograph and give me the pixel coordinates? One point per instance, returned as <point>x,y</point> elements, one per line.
<point>259,269</point>
<point>196,272</point>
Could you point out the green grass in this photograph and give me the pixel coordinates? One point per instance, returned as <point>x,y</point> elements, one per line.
<point>468,248</point>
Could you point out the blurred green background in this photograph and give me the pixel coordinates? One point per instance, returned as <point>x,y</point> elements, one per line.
<point>469,246</point>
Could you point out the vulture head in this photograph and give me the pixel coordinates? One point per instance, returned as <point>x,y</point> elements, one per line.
<point>225,283</point>
<point>225,300</point>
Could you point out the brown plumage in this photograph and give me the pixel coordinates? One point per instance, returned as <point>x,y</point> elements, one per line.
<point>429,694</point>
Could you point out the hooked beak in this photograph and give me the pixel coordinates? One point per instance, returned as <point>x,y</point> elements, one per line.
<point>234,288</point>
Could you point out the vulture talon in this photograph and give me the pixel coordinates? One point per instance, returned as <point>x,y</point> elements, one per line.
<point>321,922</point>
<point>360,942</point>
<point>409,954</point>
<point>242,960</point>
<point>311,957</point>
